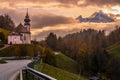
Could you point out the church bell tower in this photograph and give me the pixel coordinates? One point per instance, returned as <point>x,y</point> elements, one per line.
<point>27,22</point>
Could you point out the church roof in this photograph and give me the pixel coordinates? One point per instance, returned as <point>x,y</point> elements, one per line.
<point>21,29</point>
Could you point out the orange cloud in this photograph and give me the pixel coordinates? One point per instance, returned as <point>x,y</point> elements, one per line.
<point>102,2</point>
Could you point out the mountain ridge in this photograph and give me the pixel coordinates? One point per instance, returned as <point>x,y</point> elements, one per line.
<point>96,17</point>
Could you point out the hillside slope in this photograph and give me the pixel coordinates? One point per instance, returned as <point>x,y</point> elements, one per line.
<point>115,50</point>
<point>66,63</point>
<point>65,69</point>
<point>57,73</point>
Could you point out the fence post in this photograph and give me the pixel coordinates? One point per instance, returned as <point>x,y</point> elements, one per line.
<point>32,77</point>
<point>26,74</point>
<point>21,76</point>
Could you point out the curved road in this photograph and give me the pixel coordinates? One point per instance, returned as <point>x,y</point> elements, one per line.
<point>9,70</point>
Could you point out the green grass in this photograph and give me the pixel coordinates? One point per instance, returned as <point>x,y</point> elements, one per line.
<point>2,61</point>
<point>30,77</point>
<point>66,63</point>
<point>57,73</point>
<point>114,50</point>
<point>113,46</point>
<point>65,69</point>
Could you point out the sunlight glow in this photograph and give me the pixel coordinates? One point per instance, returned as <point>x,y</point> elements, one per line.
<point>113,10</point>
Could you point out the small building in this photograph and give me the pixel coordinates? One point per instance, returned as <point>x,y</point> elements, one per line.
<point>21,34</point>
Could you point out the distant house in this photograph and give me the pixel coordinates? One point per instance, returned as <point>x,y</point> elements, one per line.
<point>21,34</point>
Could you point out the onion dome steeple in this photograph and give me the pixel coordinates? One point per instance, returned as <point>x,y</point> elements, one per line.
<point>27,19</point>
<point>27,22</point>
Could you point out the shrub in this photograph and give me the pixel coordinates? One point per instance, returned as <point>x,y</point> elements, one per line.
<point>49,57</point>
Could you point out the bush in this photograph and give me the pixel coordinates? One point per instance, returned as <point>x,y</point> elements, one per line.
<point>21,50</point>
<point>49,57</point>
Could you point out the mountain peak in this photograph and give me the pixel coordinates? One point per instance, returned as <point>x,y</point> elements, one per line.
<point>96,17</point>
<point>98,13</point>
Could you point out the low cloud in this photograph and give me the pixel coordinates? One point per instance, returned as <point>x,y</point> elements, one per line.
<point>41,33</point>
<point>42,20</point>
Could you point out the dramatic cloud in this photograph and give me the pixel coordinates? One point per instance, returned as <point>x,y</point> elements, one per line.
<point>102,2</point>
<point>68,1</point>
<point>38,3</point>
<point>45,19</point>
<point>75,2</point>
<point>49,1</point>
<point>56,3</point>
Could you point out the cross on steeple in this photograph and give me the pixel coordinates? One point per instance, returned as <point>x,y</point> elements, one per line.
<point>27,16</point>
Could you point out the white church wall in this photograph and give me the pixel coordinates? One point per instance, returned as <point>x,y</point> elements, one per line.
<point>27,38</point>
<point>27,27</point>
<point>14,39</point>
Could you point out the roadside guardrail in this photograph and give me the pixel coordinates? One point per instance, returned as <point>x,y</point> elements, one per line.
<point>38,74</point>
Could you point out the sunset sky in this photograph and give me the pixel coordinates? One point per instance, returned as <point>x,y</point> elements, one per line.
<point>58,16</point>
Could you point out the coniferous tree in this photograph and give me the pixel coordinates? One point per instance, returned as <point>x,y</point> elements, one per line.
<point>51,41</point>
<point>6,22</point>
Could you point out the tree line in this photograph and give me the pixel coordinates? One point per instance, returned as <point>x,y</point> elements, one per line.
<point>88,48</point>
<point>6,22</point>
<point>29,50</point>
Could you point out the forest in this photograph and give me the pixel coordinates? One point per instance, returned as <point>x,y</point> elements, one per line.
<point>6,22</point>
<point>6,25</point>
<point>89,49</point>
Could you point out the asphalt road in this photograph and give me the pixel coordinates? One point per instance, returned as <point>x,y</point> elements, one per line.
<point>9,70</point>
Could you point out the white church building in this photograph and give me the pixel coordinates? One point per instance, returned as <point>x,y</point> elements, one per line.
<point>21,34</point>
